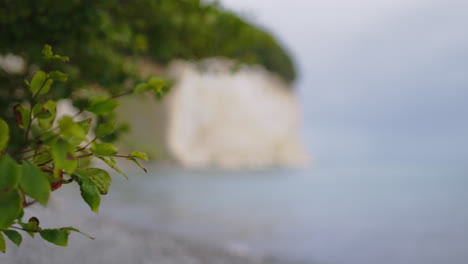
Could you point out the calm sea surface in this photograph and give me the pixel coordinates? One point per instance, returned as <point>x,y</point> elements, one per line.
<point>330,215</point>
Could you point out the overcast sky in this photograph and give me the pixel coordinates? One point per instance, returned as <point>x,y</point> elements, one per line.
<point>392,71</point>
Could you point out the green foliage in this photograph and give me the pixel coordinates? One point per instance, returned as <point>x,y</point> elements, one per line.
<point>23,116</point>
<point>98,177</point>
<point>50,155</point>
<point>89,192</point>
<point>11,202</point>
<point>58,237</point>
<point>4,134</point>
<point>49,54</point>
<point>111,163</point>
<point>35,183</point>
<point>10,173</point>
<point>2,243</point>
<point>64,156</point>
<point>140,155</point>
<point>194,29</point>
<point>46,113</point>
<point>38,84</point>
<point>105,36</point>
<point>158,86</point>
<point>58,76</point>
<point>14,237</point>
<point>102,105</point>
<point>38,153</point>
<point>31,227</point>
<point>104,150</point>
<point>105,129</point>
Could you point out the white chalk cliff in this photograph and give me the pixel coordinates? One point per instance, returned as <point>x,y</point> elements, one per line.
<point>215,116</point>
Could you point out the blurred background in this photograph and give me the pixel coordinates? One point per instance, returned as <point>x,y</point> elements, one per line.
<point>314,131</point>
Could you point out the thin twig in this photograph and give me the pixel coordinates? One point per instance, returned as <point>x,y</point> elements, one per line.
<point>23,229</point>
<point>33,99</point>
<point>87,145</point>
<point>26,133</point>
<point>32,156</point>
<point>42,86</point>
<point>123,156</point>
<point>22,151</point>
<point>119,95</point>
<point>84,156</point>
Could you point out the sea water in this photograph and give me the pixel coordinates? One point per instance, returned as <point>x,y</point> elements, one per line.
<point>331,215</point>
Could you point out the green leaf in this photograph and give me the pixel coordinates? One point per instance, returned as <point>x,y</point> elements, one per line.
<point>77,231</point>
<point>140,155</point>
<point>42,156</point>
<point>104,149</point>
<point>4,134</point>
<point>157,84</point>
<point>21,214</point>
<point>49,138</point>
<point>141,88</point>
<point>14,236</point>
<point>99,177</point>
<point>89,192</point>
<point>85,125</point>
<point>50,107</point>
<point>2,243</point>
<point>71,130</point>
<point>105,129</point>
<point>47,51</point>
<point>85,162</point>
<point>102,105</point>
<point>31,226</point>
<point>10,173</point>
<point>113,166</point>
<point>22,115</point>
<point>11,201</point>
<point>35,183</point>
<point>62,58</point>
<point>63,154</point>
<point>37,82</point>
<point>138,164</point>
<point>58,237</point>
<point>49,54</point>
<point>46,87</point>
<point>58,76</point>
<point>40,112</point>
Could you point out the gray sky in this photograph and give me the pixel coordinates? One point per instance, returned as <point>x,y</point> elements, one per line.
<point>376,74</point>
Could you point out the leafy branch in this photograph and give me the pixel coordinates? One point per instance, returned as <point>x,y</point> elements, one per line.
<point>52,153</point>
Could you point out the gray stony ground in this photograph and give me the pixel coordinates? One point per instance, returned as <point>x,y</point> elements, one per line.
<point>118,242</point>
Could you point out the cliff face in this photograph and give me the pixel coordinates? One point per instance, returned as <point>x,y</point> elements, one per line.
<point>217,117</point>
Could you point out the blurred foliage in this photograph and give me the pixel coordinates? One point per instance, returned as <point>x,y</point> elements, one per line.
<point>56,150</point>
<point>191,29</point>
<point>98,34</point>
<point>101,37</point>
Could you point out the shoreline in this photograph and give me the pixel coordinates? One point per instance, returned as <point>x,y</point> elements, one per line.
<point>122,241</point>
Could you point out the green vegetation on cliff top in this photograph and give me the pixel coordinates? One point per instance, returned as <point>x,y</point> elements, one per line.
<point>99,33</point>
